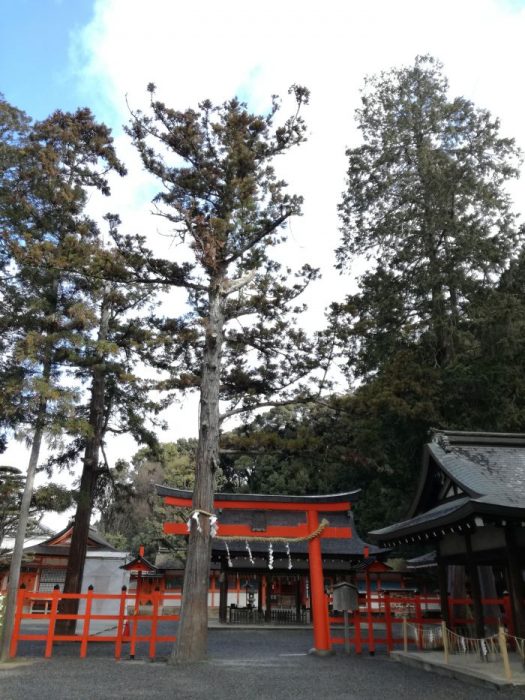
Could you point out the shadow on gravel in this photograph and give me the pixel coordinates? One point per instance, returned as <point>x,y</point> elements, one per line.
<point>241,665</point>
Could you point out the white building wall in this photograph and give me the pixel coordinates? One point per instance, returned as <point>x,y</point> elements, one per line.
<point>102,571</point>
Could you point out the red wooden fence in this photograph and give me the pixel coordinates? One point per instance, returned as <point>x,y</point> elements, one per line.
<point>122,626</point>
<point>379,619</point>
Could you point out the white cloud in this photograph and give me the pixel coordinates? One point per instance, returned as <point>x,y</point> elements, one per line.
<point>211,49</point>
<point>217,49</point>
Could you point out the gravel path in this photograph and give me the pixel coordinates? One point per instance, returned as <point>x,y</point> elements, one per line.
<point>242,665</point>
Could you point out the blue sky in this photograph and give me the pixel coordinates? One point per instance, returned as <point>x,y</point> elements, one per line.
<point>36,67</point>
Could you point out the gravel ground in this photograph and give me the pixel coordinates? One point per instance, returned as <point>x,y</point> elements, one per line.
<point>242,664</point>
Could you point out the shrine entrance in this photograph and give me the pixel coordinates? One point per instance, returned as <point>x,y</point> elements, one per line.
<point>282,547</point>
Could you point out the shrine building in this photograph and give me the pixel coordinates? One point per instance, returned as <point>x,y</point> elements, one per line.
<point>44,567</point>
<point>470,509</point>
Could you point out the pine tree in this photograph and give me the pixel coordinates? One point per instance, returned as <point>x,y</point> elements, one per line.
<point>43,196</point>
<point>119,402</point>
<point>221,195</point>
<point>50,497</point>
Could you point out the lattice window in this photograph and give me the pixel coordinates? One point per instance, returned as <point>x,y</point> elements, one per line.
<point>49,578</point>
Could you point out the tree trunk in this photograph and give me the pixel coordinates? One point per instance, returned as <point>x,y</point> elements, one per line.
<point>88,481</point>
<point>192,638</point>
<point>16,559</point>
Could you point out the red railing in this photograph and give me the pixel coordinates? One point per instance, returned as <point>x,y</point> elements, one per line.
<point>379,619</point>
<point>122,626</point>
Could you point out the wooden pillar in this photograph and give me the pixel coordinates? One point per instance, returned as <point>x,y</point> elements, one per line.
<point>472,570</point>
<point>443,590</point>
<point>268,611</point>
<point>212,588</point>
<point>319,608</point>
<point>298,600</point>
<point>260,593</point>
<point>515,582</point>
<point>223,594</point>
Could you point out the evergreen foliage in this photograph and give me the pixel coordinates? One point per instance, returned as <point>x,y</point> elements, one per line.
<point>222,197</point>
<point>426,203</point>
<point>132,515</point>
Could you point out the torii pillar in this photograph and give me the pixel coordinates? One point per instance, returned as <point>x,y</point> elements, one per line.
<point>319,604</point>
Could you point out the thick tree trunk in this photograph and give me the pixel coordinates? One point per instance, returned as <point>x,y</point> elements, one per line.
<point>16,559</point>
<point>192,638</point>
<point>88,481</point>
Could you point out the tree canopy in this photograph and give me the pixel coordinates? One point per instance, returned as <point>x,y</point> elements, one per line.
<point>426,203</point>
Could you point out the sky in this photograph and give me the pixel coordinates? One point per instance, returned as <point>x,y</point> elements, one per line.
<point>63,54</point>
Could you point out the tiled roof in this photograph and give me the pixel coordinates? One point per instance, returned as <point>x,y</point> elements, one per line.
<point>96,541</point>
<point>489,468</point>
<point>431,519</point>
<point>485,470</point>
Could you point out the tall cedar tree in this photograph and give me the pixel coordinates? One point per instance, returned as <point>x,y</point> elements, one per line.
<point>14,127</point>
<point>221,194</point>
<point>119,400</point>
<point>425,201</point>
<point>43,198</point>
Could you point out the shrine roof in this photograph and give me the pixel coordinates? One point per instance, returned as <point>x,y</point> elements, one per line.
<point>351,496</point>
<point>140,563</point>
<point>58,544</point>
<point>487,471</point>
<point>479,464</point>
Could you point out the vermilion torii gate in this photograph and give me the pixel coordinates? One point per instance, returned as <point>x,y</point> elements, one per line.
<point>244,518</point>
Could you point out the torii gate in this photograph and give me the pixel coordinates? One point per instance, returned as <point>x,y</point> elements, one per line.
<point>311,530</point>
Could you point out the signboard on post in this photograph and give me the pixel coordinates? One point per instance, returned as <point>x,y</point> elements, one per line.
<point>345,597</point>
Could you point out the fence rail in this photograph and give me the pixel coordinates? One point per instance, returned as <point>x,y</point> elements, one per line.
<point>122,625</point>
<point>379,619</point>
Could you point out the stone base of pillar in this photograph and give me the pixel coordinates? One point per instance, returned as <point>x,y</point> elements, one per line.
<point>322,652</point>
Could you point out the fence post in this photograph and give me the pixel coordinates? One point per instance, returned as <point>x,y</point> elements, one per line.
<point>346,631</point>
<point>87,622</point>
<point>121,622</point>
<point>134,630</point>
<point>154,621</point>
<point>419,620</point>
<point>504,654</point>
<point>52,621</point>
<point>18,620</point>
<point>357,631</point>
<point>370,622</point>
<point>509,620</point>
<point>388,623</point>
<point>445,639</point>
